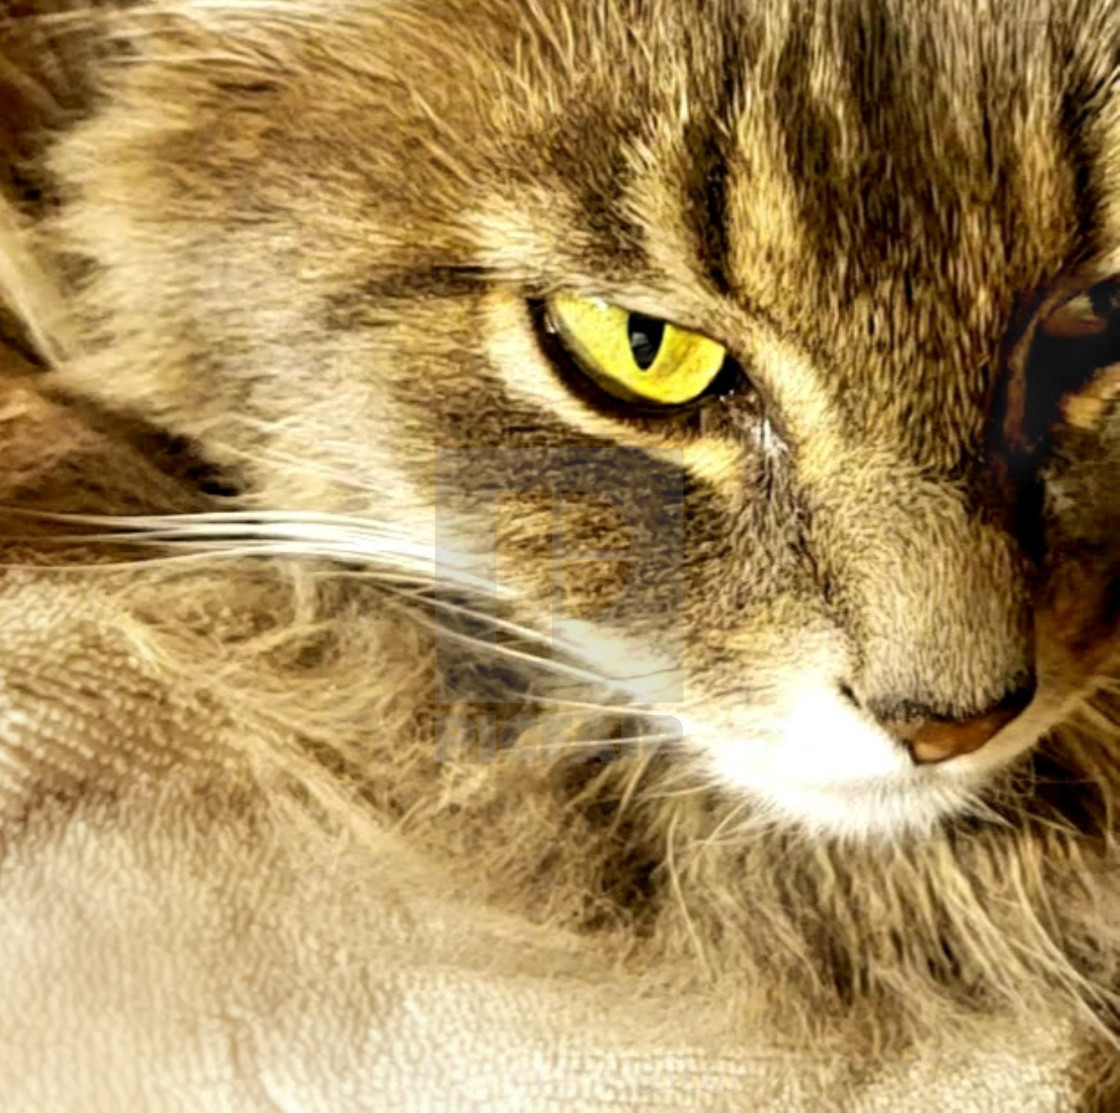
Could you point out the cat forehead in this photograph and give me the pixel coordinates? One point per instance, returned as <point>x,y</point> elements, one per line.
<point>840,143</point>
<point>831,142</point>
<point>806,158</point>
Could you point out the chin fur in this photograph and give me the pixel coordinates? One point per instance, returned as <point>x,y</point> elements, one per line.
<point>869,811</point>
<point>822,767</point>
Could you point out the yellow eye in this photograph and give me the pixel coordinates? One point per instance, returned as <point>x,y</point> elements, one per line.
<point>635,358</point>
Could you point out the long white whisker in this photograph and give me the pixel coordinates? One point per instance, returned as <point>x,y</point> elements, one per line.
<point>631,787</point>
<point>636,709</point>
<point>713,839</point>
<point>492,621</point>
<point>350,540</point>
<point>634,740</point>
<point>305,534</point>
<point>513,654</point>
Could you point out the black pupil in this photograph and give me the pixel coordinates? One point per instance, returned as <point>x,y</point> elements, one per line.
<point>646,334</point>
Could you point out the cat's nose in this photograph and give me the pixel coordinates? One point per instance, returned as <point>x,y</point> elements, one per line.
<point>931,739</point>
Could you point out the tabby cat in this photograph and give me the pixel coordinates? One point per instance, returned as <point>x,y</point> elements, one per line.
<point>659,458</point>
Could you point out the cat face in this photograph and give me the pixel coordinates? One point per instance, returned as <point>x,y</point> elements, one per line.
<point>405,263</point>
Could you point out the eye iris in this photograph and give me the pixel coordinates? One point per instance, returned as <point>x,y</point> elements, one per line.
<point>646,335</point>
<point>633,358</point>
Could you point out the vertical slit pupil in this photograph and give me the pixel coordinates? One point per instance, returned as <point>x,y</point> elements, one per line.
<point>646,335</point>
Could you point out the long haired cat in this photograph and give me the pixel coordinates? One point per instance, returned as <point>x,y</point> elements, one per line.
<point>662,457</point>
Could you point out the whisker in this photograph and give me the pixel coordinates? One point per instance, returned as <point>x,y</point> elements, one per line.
<point>603,743</point>
<point>698,788</point>
<point>351,540</point>
<point>636,709</point>
<point>507,652</point>
<point>712,838</point>
<point>678,894</point>
<point>525,632</point>
<point>628,793</point>
<point>298,534</point>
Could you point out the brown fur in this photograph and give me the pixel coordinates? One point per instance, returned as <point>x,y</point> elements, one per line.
<point>291,257</point>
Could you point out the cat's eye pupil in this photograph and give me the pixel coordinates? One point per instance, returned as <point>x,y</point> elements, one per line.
<point>646,335</point>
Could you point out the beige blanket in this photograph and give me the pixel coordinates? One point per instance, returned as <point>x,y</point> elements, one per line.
<point>173,935</point>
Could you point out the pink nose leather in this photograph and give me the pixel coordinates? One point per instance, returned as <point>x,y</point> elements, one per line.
<point>931,741</point>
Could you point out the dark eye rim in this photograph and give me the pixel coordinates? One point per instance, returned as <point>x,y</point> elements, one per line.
<point>1042,363</point>
<point>585,385</point>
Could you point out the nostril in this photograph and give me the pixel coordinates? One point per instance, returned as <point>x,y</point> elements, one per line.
<point>847,692</point>
<point>931,740</point>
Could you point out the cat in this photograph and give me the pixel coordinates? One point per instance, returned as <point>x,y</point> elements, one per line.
<point>715,405</point>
